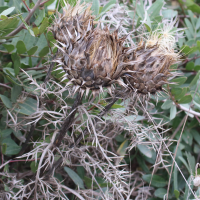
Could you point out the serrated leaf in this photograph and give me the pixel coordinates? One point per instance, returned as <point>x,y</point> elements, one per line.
<point>95,7</point>
<point>21,48</point>
<point>173,112</point>
<point>157,181</point>
<point>167,104</point>
<point>160,192</point>
<point>75,177</point>
<point>6,101</point>
<point>145,150</point>
<point>44,52</point>
<point>185,99</point>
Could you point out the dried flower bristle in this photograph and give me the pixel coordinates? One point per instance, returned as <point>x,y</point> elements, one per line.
<point>149,64</point>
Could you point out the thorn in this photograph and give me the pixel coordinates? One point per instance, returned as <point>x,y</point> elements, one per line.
<point>87,91</point>
<point>76,88</point>
<point>82,92</point>
<point>70,35</point>
<point>64,78</point>
<point>101,88</point>
<point>109,90</point>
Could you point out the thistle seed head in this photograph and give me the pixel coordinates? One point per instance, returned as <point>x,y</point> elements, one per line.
<point>150,61</point>
<point>91,57</point>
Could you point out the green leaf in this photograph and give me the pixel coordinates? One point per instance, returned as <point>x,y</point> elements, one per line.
<point>16,60</point>
<point>157,181</point>
<point>12,147</point>
<point>167,104</point>
<point>196,135</point>
<point>115,106</point>
<point>175,173</point>
<point>9,47</point>
<point>145,150</point>
<point>15,92</point>
<point>95,7</point>
<point>2,8</point>
<point>173,112</point>
<point>26,25</point>
<point>5,133</point>
<point>195,79</point>
<point>6,101</point>
<point>3,148</point>
<point>189,26</point>
<point>34,166</point>
<point>190,66</point>
<point>122,149</point>
<point>44,52</point>
<point>44,25</point>
<point>185,163</point>
<point>81,171</point>
<point>21,48</point>
<point>107,7</point>
<point>180,80</point>
<point>18,134</point>
<point>75,177</point>
<point>169,13</point>
<point>8,25</point>
<point>28,107</point>
<point>32,50</point>
<point>160,192</point>
<point>154,10</point>
<point>185,99</point>
<point>7,11</point>
<point>176,92</point>
<point>182,94</point>
<point>187,50</point>
<point>176,193</point>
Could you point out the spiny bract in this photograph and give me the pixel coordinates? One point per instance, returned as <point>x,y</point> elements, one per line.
<point>149,63</point>
<point>91,57</point>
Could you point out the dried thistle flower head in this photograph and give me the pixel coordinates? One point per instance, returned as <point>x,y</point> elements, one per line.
<point>91,57</point>
<point>150,61</point>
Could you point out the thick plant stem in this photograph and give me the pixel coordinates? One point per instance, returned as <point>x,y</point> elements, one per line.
<point>68,121</point>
